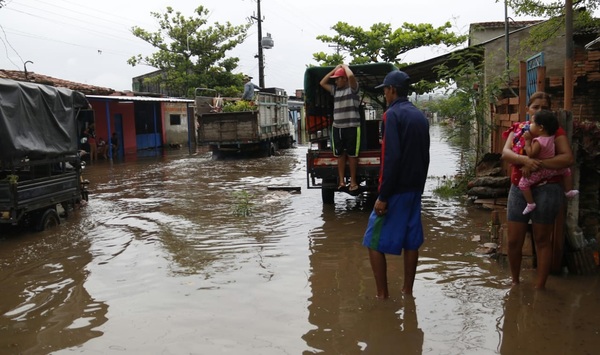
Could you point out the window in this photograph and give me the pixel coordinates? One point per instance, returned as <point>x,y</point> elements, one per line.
<point>175,120</point>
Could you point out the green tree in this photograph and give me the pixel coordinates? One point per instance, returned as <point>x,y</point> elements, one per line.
<point>467,103</point>
<point>382,43</point>
<point>191,54</point>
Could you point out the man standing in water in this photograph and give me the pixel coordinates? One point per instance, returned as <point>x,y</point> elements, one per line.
<point>395,222</point>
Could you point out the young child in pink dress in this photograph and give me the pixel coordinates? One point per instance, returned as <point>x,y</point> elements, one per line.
<point>539,144</point>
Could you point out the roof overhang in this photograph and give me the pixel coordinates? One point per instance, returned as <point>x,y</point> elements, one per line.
<point>595,44</point>
<point>426,70</point>
<point>138,98</point>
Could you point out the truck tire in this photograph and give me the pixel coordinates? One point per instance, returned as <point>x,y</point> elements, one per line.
<point>48,219</point>
<point>327,195</point>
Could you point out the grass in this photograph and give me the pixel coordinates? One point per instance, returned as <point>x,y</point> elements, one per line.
<point>454,186</point>
<point>243,203</point>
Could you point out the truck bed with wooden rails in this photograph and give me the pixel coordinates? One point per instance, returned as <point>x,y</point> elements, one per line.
<point>265,128</point>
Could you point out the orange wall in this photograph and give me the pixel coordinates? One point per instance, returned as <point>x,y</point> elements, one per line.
<point>114,107</point>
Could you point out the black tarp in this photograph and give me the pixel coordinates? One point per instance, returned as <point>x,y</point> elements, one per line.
<point>38,121</point>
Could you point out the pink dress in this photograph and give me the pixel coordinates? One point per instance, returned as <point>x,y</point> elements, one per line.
<point>546,151</point>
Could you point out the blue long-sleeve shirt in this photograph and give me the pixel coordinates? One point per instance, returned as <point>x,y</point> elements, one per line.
<point>249,91</point>
<point>404,149</point>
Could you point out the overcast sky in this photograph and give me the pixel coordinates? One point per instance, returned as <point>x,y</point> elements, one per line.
<point>90,41</point>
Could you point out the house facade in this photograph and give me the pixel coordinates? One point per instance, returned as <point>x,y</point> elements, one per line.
<point>143,123</point>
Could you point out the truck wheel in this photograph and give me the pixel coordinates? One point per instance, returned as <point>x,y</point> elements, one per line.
<point>327,195</point>
<point>47,220</point>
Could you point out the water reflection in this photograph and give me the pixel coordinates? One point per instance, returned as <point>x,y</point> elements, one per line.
<point>159,263</point>
<point>45,304</point>
<point>543,322</point>
<point>347,317</point>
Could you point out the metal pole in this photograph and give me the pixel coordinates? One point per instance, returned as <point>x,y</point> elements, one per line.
<point>568,55</point>
<point>506,39</point>
<point>261,65</point>
<point>109,139</point>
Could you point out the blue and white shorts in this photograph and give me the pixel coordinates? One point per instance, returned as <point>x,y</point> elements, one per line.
<point>400,228</point>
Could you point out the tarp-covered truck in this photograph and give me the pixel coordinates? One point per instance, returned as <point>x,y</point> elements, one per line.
<point>40,166</point>
<point>321,164</point>
<point>264,129</point>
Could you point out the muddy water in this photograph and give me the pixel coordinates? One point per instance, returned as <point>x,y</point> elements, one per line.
<point>158,262</point>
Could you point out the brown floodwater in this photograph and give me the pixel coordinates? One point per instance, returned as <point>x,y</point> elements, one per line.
<point>161,262</point>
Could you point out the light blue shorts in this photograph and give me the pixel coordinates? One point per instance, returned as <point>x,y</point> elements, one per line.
<point>400,228</point>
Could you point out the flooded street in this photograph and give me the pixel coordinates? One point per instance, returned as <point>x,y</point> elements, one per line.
<point>159,262</point>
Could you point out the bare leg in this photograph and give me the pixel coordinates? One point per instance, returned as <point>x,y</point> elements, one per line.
<point>93,152</point>
<point>379,266</point>
<point>411,258</point>
<point>542,235</point>
<point>342,169</point>
<point>516,238</point>
<point>353,162</point>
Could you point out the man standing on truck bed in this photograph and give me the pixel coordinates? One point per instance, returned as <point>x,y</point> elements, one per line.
<point>249,88</point>
<point>395,222</point>
<point>346,121</point>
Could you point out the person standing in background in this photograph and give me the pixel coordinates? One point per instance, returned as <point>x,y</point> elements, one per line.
<point>249,88</point>
<point>91,136</point>
<point>114,142</point>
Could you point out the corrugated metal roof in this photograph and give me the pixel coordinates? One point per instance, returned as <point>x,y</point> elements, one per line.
<point>48,80</point>
<point>139,98</point>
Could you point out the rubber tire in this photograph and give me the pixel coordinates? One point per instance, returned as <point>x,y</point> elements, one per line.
<point>48,219</point>
<point>327,195</point>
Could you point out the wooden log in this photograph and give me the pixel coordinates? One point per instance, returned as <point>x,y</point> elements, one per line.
<point>284,188</point>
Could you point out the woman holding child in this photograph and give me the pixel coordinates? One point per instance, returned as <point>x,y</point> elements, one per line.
<point>548,194</point>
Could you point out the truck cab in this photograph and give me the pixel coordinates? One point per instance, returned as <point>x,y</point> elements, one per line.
<point>321,164</point>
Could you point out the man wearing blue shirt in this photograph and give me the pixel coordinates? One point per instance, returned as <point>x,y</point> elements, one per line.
<point>395,222</point>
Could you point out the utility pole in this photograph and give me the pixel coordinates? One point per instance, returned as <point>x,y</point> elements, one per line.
<point>261,64</point>
<point>568,84</point>
<point>506,39</point>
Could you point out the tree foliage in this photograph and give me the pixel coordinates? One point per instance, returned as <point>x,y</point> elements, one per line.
<point>468,100</point>
<point>554,26</point>
<point>190,53</point>
<point>382,43</point>
<point>548,8</point>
